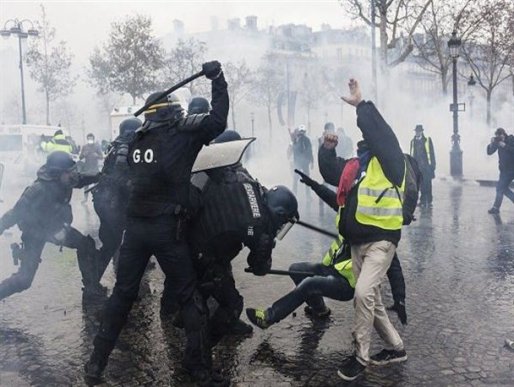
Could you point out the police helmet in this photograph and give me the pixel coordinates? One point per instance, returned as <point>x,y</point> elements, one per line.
<point>227,136</point>
<point>198,105</point>
<point>165,109</point>
<point>282,204</point>
<point>58,162</point>
<point>129,125</point>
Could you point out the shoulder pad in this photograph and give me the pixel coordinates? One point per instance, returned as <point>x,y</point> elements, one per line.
<point>192,122</point>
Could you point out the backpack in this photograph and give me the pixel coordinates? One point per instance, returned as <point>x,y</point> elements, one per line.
<point>413,178</point>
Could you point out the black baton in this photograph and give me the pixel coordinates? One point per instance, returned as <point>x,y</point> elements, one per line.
<point>320,230</point>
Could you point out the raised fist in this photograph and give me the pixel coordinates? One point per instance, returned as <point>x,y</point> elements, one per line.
<point>212,70</point>
<point>330,141</point>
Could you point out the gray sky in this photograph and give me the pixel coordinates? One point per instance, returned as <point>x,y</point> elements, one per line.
<point>85,24</point>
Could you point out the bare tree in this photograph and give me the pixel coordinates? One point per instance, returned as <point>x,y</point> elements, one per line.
<point>182,62</point>
<point>240,81</point>
<point>314,89</point>
<point>397,22</point>
<point>441,18</point>
<point>50,64</point>
<point>489,50</point>
<point>129,61</point>
<point>269,82</point>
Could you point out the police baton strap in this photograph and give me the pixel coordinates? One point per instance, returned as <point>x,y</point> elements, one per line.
<point>170,90</point>
<point>320,230</point>
<point>284,272</point>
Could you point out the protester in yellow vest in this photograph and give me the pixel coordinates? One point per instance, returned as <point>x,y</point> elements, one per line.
<point>57,143</point>
<point>370,192</point>
<point>332,278</point>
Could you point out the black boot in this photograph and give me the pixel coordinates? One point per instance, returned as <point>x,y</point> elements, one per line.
<point>94,369</point>
<point>205,378</point>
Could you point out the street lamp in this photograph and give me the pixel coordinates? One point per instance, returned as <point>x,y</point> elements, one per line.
<point>17,29</point>
<point>455,153</point>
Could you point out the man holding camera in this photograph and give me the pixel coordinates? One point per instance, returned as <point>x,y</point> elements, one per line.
<point>504,144</point>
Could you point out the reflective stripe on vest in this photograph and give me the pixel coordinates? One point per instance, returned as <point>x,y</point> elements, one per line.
<point>379,203</point>
<point>329,256</point>
<point>427,149</point>
<point>344,268</point>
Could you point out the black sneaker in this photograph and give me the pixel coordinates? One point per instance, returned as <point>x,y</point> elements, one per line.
<point>399,308</point>
<point>258,317</point>
<point>387,356</point>
<point>494,210</point>
<point>351,369</point>
<point>309,311</point>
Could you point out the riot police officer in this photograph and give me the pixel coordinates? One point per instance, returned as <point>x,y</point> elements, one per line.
<point>110,196</point>
<point>43,214</point>
<point>236,212</point>
<point>160,159</point>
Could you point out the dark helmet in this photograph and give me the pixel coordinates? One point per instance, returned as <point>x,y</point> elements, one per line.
<point>227,136</point>
<point>129,125</point>
<point>57,132</point>
<point>58,162</point>
<point>282,204</point>
<point>198,105</point>
<point>166,109</point>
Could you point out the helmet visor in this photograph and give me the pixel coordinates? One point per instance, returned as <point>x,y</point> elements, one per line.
<point>285,227</point>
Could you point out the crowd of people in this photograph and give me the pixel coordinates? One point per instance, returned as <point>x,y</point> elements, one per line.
<point>149,203</point>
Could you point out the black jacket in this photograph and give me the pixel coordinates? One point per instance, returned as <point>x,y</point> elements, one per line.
<point>422,156</point>
<point>505,154</point>
<point>384,145</point>
<point>44,207</point>
<point>163,153</point>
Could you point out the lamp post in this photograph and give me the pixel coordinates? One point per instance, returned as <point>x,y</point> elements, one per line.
<point>455,153</point>
<point>17,29</point>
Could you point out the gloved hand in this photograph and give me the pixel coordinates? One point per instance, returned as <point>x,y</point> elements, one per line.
<point>260,268</point>
<point>399,308</point>
<point>306,179</point>
<point>212,70</point>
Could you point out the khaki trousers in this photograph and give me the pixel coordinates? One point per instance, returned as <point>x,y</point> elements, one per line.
<point>370,263</point>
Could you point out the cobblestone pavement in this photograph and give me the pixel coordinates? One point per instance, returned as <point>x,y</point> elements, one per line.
<point>459,267</point>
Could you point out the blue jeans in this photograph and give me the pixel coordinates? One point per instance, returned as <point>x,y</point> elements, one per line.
<point>502,188</point>
<point>327,282</point>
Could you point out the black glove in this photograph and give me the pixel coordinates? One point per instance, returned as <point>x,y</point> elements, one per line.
<point>306,179</point>
<point>399,308</point>
<point>261,268</point>
<point>212,70</point>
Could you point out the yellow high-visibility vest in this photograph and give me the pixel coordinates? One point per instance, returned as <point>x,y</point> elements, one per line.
<point>427,149</point>
<point>57,143</point>
<point>379,202</point>
<point>333,254</point>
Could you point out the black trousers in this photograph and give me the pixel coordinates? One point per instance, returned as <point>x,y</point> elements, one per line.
<point>502,188</point>
<point>30,258</point>
<point>426,187</point>
<point>143,238</point>
<point>327,282</point>
<point>110,209</point>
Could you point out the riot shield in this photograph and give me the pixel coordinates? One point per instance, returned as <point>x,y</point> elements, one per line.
<point>220,155</point>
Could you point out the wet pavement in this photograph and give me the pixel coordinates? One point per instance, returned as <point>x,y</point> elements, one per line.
<point>458,263</point>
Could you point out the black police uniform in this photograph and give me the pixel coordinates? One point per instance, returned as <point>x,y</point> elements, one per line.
<point>161,158</point>
<point>233,215</point>
<point>110,198</point>
<point>43,214</point>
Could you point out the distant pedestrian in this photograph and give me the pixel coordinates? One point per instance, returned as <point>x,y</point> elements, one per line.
<point>344,147</point>
<point>504,144</point>
<point>422,149</point>
<point>302,154</point>
<point>91,154</point>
